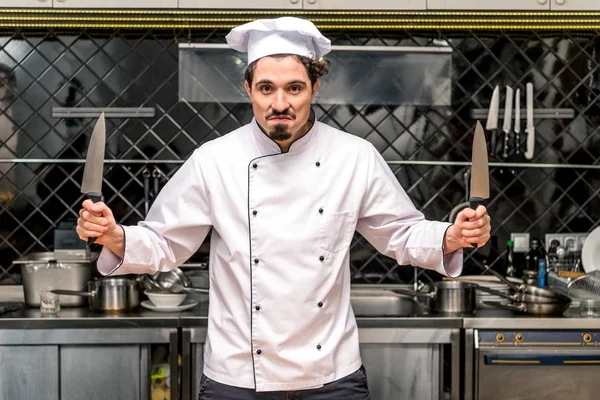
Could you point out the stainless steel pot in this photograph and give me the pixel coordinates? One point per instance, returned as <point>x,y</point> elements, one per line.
<point>109,294</point>
<point>69,270</point>
<point>448,297</point>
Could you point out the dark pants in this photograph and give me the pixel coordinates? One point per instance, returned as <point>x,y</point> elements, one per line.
<point>351,387</point>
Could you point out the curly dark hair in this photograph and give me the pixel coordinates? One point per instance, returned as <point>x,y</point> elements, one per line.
<point>315,68</point>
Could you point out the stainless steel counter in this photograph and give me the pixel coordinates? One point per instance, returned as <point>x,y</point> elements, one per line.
<point>491,318</point>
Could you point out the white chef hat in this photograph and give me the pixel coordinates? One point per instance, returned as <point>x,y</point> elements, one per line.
<point>285,35</point>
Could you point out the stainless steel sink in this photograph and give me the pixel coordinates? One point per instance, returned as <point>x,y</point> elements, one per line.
<point>379,302</point>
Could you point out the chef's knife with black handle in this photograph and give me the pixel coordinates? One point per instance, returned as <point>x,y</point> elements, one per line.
<point>480,177</point>
<point>91,184</point>
<point>492,119</point>
<point>507,125</point>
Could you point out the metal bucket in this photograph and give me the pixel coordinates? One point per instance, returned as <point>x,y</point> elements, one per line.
<point>49,270</point>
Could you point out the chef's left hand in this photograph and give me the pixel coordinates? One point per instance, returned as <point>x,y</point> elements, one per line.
<point>471,226</point>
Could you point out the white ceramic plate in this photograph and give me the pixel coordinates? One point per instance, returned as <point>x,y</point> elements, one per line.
<point>186,305</point>
<point>590,253</point>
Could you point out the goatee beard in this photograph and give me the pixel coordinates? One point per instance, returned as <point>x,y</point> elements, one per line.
<point>280,133</point>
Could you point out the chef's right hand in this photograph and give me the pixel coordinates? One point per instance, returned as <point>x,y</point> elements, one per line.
<point>97,220</point>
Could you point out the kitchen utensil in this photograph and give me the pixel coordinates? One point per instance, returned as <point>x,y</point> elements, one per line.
<point>586,286</point>
<point>527,289</point>
<point>166,300</point>
<point>67,269</point>
<point>530,129</point>
<point>146,176</point>
<point>590,252</point>
<point>109,294</point>
<point>492,119</point>
<point>175,281</point>
<point>532,308</point>
<point>517,121</point>
<point>520,297</point>
<point>447,297</point>
<point>480,177</point>
<point>91,184</point>
<point>151,286</point>
<point>507,125</point>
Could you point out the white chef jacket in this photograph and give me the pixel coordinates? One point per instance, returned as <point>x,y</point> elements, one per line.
<point>279,305</point>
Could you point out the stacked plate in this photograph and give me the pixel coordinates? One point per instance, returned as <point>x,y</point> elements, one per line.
<point>491,282</point>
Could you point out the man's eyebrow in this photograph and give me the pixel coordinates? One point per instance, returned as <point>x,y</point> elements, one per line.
<point>268,82</point>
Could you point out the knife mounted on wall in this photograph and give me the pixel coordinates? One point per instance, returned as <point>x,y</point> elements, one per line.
<point>492,119</point>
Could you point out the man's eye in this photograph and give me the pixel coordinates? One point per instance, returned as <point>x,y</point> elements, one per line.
<point>265,89</point>
<point>295,89</point>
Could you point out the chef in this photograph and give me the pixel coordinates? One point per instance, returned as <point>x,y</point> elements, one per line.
<point>284,195</point>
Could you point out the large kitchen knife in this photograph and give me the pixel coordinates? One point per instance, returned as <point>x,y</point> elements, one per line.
<point>91,184</point>
<point>506,127</point>
<point>530,128</point>
<point>480,177</point>
<point>492,119</point>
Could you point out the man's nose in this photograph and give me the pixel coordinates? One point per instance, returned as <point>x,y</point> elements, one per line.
<point>280,102</point>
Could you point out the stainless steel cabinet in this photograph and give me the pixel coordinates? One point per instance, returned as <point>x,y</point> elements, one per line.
<point>541,5</point>
<point>365,5</point>
<point>75,364</point>
<point>401,363</point>
<point>242,4</point>
<point>115,4</point>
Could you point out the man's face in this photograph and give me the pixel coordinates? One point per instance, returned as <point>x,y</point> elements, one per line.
<point>281,95</point>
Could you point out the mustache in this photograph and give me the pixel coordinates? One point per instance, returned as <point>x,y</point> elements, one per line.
<point>283,113</point>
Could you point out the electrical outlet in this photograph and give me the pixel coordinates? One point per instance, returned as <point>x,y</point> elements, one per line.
<point>521,241</point>
<point>570,243</point>
<point>550,237</point>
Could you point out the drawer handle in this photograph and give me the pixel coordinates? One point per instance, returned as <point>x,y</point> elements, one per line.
<point>538,359</point>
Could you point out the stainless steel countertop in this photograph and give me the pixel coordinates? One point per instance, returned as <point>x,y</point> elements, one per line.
<point>491,318</point>
<point>484,318</point>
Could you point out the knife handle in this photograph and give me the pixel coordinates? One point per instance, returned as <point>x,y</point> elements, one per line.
<point>475,202</point>
<point>94,197</point>
<point>505,147</point>
<point>493,143</point>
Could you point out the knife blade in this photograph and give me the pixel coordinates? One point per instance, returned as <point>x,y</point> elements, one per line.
<point>480,177</point>
<point>492,119</point>
<point>506,127</point>
<point>517,121</point>
<point>530,129</point>
<point>91,183</point>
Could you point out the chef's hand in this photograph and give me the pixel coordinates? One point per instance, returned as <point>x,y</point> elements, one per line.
<point>97,220</point>
<point>471,226</point>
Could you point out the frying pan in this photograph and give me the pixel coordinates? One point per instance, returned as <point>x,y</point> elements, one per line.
<point>532,308</point>
<point>528,289</point>
<point>526,298</point>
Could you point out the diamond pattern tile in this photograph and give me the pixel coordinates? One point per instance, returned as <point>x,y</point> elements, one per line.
<point>126,69</point>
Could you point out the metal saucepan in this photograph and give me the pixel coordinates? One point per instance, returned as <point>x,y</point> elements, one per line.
<point>448,297</point>
<point>528,289</point>
<point>532,308</point>
<point>175,281</point>
<point>524,297</point>
<point>109,294</point>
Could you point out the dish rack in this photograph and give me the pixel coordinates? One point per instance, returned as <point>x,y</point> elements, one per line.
<point>584,287</point>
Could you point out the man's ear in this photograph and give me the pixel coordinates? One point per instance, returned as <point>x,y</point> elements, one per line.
<point>315,90</point>
<point>248,90</point>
